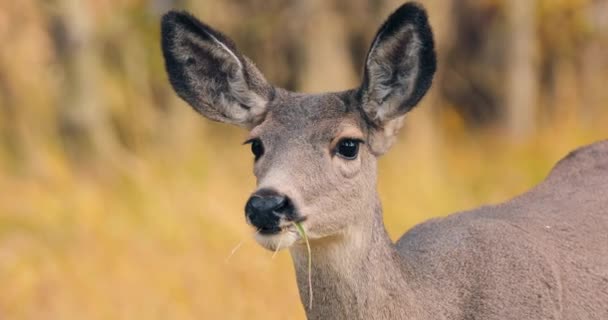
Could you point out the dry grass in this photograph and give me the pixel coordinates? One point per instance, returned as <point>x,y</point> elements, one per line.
<point>148,238</point>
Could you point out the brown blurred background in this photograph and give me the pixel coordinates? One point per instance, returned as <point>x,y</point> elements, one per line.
<point>119,202</point>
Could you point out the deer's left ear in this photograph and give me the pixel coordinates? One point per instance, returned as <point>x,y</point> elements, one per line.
<point>208,72</point>
<point>398,72</point>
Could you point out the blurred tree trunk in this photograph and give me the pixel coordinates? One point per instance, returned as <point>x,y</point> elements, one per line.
<point>82,121</point>
<point>159,7</point>
<point>12,131</point>
<point>521,70</point>
<point>472,60</point>
<point>594,63</point>
<point>328,66</point>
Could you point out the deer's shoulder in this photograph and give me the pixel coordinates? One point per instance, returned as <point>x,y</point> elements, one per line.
<point>482,263</point>
<point>528,220</point>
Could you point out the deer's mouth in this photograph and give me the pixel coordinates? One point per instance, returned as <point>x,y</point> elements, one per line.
<point>270,230</point>
<point>284,238</point>
<point>285,224</point>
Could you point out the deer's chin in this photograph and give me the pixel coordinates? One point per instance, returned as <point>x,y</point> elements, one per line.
<point>274,242</point>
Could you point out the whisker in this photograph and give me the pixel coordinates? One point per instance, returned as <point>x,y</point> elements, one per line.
<point>278,246</point>
<point>238,246</point>
<point>234,250</point>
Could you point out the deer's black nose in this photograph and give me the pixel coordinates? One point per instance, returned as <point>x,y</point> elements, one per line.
<point>265,208</point>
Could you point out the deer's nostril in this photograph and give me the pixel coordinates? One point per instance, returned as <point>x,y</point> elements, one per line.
<point>265,208</point>
<point>259,203</point>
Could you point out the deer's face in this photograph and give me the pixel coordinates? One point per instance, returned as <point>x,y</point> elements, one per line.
<point>312,164</point>
<point>314,155</point>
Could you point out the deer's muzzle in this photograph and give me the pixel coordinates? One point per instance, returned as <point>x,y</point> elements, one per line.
<point>267,208</point>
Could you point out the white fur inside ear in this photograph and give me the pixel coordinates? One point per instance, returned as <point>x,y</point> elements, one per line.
<point>255,105</point>
<point>391,84</point>
<point>223,46</point>
<point>381,139</point>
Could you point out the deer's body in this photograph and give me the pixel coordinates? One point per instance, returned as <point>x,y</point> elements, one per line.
<point>542,255</point>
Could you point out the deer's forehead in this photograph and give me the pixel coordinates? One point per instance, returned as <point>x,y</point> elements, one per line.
<point>300,110</point>
<point>308,118</point>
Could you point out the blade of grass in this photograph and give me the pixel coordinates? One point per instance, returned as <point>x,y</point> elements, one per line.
<point>302,233</point>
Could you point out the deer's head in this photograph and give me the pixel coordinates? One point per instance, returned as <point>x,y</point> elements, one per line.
<point>315,154</point>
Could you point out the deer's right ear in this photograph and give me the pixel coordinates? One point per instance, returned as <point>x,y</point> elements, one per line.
<point>208,72</point>
<point>399,70</point>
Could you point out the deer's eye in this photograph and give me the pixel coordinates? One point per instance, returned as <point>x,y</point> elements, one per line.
<point>348,148</point>
<point>257,148</point>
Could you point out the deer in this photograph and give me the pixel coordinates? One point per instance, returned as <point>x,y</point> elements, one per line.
<point>541,255</point>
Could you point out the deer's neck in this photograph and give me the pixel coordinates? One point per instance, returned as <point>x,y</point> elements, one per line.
<point>356,275</point>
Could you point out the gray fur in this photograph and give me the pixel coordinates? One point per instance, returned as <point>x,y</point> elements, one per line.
<point>398,71</point>
<point>542,255</point>
<point>209,73</point>
<point>391,83</point>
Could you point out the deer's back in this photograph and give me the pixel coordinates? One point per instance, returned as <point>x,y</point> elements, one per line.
<point>542,255</point>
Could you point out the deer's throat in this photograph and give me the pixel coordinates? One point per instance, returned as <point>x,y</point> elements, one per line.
<point>352,273</point>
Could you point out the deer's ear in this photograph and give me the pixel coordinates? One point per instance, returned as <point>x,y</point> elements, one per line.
<point>398,71</point>
<point>208,72</point>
